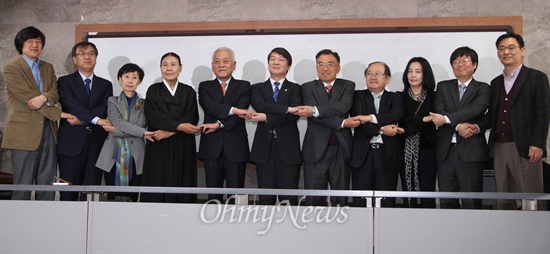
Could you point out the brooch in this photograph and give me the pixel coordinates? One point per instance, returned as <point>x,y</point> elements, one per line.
<point>139,103</point>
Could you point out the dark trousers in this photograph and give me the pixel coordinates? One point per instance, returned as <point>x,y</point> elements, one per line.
<point>81,169</point>
<point>376,173</point>
<point>220,170</point>
<point>275,174</point>
<point>456,175</point>
<point>546,177</point>
<point>110,180</point>
<point>333,169</point>
<point>427,175</point>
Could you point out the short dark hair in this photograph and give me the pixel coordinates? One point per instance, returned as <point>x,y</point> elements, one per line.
<point>170,54</point>
<point>428,80</point>
<point>464,51</point>
<point>25,34</point>
<point>83,44</point>
<point>283,52</point>
<point>131,67</point>
<point>328,52</point>
<point>511,35</point>
<point>387,70</point>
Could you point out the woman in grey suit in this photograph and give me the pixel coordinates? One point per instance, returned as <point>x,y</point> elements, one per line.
<point>123,151</point>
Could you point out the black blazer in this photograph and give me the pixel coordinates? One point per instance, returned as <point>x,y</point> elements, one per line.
<point>471,109</point>
<point>413,124</point>
<point>389,112</point>
<point>288,136</point>
<point>332,114</point>
<point>530,113</point>
<point>75,100</point>
<point>232,138</point>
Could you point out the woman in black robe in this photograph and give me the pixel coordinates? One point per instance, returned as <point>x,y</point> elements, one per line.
<point>172,115</point>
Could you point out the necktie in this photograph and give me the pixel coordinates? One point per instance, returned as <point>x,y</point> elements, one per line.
<point>329,91</point>
<point>377,102</point>
<point>276,91</point>
<point>223,88</point>
<point>36,74</point>
<point>87,84</point>
<point>376,107</point>
<point>333,140</point>
<point>461,90</point>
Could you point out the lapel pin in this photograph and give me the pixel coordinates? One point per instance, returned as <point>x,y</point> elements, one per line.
<point>286,90</point>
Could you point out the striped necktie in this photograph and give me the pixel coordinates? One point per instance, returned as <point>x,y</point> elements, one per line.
<point>276,91</point>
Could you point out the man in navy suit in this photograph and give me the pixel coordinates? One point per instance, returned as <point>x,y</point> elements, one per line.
<point>276,147</point>
<point>224,141</point>
<point>460,106</point>
<point>83,95</point>
<point>376,151</point>
<point>327,143</point>
<point>519,116</point>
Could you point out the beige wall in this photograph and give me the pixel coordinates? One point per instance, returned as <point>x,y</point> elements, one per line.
<point>57,19</point>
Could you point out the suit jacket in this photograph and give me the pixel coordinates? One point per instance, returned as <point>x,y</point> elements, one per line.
<point>530,113</point>
<point>331,115</point>
<point>232,137</point>
<point>132,130</point>
<point>75,100</point>
<point>471,109</point>
<point>288,136</point>
<point>389,112</point>
<point>24,127</point>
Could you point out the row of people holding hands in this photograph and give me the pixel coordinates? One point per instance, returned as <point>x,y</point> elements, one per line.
<point>420,134</point>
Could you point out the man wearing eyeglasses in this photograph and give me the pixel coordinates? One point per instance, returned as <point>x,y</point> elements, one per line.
<point>376,151</point>
<point>519,117</point>
<point>84,95</point>
<point>460,106</point>
<point>327,144</point>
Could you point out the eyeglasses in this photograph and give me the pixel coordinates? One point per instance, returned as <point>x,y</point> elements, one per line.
<point>510,48</point>
<point>89,53</point>
<point>328,65</point>
<point>376,74</point>
<point>464,61</point>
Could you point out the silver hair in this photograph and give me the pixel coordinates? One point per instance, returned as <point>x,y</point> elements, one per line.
<point>224,49</point>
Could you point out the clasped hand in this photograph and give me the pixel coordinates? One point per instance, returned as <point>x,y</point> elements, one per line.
<point>437,119</point>
<point>304,111</point>
<point>243,113</point>
<point>466,130</point>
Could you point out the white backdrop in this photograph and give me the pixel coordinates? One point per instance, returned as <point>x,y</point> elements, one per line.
<point>356,52</point>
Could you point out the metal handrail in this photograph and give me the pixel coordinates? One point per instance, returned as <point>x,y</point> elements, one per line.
<point>287,192</point>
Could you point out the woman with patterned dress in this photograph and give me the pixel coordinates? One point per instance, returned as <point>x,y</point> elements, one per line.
<point>419,171</point>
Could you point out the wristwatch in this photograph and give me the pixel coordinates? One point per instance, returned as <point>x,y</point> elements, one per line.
<point>381,131</point>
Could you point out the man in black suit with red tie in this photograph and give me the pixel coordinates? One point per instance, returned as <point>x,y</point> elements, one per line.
<point>224,142</point>
<point>327,143</point>
<point>276,146</point>
<point>84,95</point>
<point>519,116</point>
<point>460,106</point>
<point>377,151</point>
